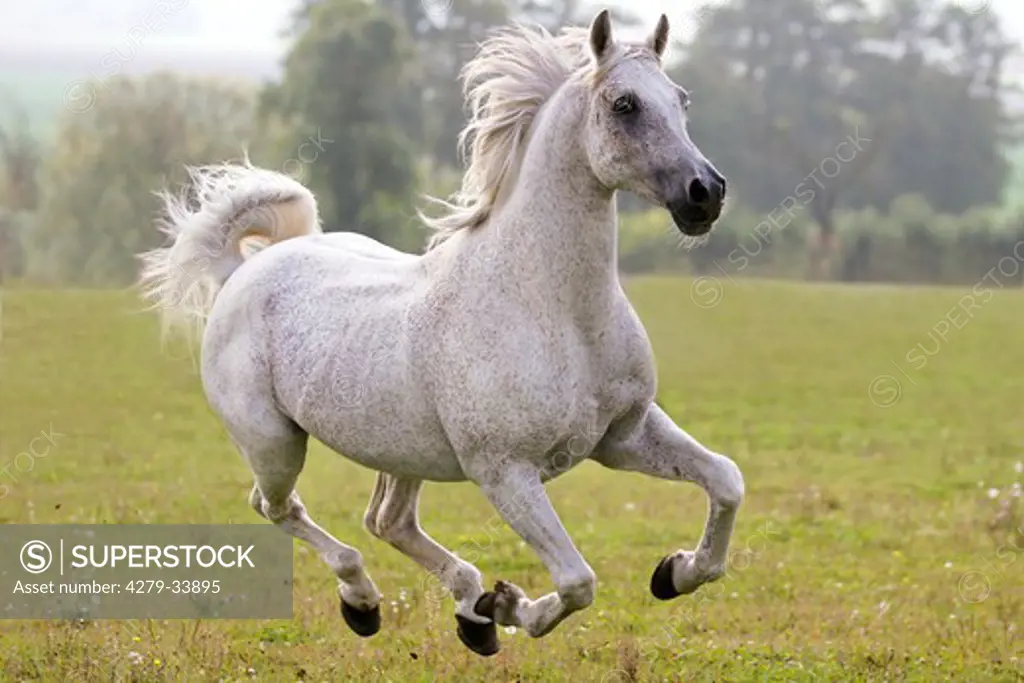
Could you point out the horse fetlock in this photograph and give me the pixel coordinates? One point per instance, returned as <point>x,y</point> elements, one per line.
<point>507,600</point>
<point>712,572</point>
<point>466,583</point>
<point>578,591</point>
<point>682,573</point>
<point>346,563</point>
<point>691,570</point>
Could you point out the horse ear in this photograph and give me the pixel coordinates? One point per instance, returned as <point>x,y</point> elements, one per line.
<point>659,39</point>
<point>601,34</point>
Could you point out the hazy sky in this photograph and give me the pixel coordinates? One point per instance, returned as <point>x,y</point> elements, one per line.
<point>252,25</point>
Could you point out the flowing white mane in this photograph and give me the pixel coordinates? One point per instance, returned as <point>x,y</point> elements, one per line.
<point>517,69</point>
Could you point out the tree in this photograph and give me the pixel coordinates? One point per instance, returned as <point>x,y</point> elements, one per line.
<point>97,202</point>
<point>789,61</point>
<point>348,69</point>
<point>778,86</point>
<point>19,187</point>
<point>943,67</point>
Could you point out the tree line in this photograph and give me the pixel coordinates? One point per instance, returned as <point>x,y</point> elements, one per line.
<point>838,112</point>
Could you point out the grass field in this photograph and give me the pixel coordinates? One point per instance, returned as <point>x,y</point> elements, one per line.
<point>868,547</point>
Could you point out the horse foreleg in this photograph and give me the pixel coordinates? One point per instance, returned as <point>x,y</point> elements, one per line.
<point>654,445</point>
<point>518,495</point>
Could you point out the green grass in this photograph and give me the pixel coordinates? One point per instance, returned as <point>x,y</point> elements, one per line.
<point>867,548</point>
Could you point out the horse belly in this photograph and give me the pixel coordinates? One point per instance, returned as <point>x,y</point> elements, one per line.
<point>391,442</point>
<point>571,451</point>
<point>429,466</point>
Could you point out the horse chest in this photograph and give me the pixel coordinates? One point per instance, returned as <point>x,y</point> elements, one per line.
<point>623,367</point>
<point>614,383</point>
<point>588,422</point>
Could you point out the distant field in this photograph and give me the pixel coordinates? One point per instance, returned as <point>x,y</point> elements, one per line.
<point>863,552</point>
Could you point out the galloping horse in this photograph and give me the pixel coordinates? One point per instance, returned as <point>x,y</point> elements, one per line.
<point>504,355</point>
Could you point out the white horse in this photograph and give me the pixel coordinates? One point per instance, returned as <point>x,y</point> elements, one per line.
<point>505,355</point>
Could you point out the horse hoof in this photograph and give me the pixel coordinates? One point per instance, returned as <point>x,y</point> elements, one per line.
<point>661,580</point>
<point>364,623</point>
<point>480,638</point>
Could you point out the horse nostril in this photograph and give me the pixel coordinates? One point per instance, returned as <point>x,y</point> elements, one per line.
<point>716,176</point>
<point>698,193</point>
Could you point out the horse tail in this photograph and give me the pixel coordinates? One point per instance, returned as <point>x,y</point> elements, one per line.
<point>208,224</point>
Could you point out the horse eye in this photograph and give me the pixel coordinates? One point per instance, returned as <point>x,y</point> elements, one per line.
<point>624,105</point>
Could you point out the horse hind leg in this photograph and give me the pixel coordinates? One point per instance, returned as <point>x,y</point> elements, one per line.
<point>276,463</point>
<point>393,517</point>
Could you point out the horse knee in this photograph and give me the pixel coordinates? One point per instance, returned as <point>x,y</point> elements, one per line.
<point>729,489</point>
<point>578,592</point>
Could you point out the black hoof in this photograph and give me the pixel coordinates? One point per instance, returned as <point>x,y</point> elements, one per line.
<point>661,580</point>
<point>480,638</point>
<point>364,623</point>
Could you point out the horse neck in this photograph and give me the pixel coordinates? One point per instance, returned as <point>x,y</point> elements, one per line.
<point>554,233</point>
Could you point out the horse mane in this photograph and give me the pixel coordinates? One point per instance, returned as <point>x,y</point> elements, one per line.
<point>516,70</point>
